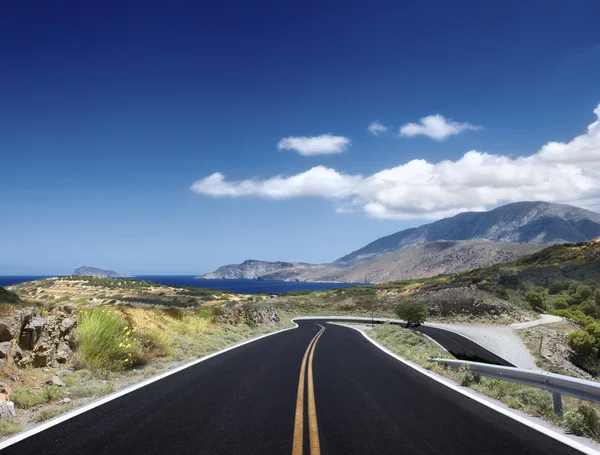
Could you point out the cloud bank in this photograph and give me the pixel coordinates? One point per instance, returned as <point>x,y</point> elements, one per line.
<point>376,128</point>
<point>559,172</point>
<point>325,144</point>
<point>436,127</point>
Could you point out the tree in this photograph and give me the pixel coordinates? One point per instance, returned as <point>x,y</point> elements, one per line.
<point>536,300</point>
<point>583,344</point>
<point>414,313</point>
<point>560,304</point>
<point>597,296</point>
<point>557,284</point>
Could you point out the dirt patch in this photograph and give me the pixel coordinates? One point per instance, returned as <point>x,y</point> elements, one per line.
<point>548,344</point>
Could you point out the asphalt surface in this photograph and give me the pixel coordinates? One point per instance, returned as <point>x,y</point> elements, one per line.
<point>244,402</point>
<point>458,345</point>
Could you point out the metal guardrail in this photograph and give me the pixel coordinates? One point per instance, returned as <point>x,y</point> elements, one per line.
<point>556,383</point>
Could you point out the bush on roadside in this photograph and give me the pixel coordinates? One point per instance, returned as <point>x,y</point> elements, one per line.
<point>583,422</point>
<point>28,398</point>
<point>8,427</point>
<point>468,377</point>
<point>414,313</point>
<point>536,300</point>
<point>105,340</point>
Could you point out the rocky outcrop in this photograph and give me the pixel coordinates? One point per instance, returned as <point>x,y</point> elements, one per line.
<point>98,273</point>
<point>250,269</point>
<point>30,338</point>
<point>249,313</point>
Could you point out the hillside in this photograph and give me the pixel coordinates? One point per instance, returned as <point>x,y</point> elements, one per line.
<point>431,259</point>
<point>98,273</point>
<point>7,296</point>
<point>520,222</point>
<point>253,269</point>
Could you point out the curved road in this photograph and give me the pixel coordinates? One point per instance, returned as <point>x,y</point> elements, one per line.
<point>353,399</point>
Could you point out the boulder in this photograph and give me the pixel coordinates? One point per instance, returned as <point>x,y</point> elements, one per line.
<point>63,353</point>
<point>7,410</point>
<point>4,349</point>
<point>66,325</point>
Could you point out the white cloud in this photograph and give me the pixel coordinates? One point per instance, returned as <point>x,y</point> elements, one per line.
<point>376,128</point>
<point>324,144</point>
<point>436,127</point>
<point>559,172</point>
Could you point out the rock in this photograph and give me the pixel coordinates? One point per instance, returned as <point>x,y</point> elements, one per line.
<point>3,385</point>
<point>13,378</point>
<point>66,325</point>
<point>6,390</point>
<point>40,359</point>
<point>7,410</point>
<point>63,353</point>
<point>3,397</point>
<point>4,349</point>
<point>57,381</point>
<point>68,308</point>
<point>65,400</point>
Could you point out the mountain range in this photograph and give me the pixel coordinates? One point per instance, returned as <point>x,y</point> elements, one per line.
<point>463,242</point>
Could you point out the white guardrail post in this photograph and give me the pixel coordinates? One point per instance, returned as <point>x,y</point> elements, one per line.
<point>558,384</point>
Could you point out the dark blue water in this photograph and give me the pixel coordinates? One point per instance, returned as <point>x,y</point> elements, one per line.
<point>244,286</point>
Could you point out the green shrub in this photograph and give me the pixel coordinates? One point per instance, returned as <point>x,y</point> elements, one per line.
<point>413,313</point>
<point>53,392</point>
<point>584,292</point>
<point>589,308</point>
<point>583,422</point>
<point>583,344</point>
<point>468,377</point>
<point>557,285</point>
<point>560,304</point>
<point>8,427</point>
<point>105,340</point>
<point>28,398</point>
<point>536,300</point>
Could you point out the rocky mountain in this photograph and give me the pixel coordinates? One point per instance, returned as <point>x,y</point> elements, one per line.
<point>466,241</point>
<point>98,273</point>
<point>252,269</point>
<point>519,222</point>
<point>431,259</point>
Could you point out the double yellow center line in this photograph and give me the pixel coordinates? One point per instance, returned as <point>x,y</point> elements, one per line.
<point>313,429</point>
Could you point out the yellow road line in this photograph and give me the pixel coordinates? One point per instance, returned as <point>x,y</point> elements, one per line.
<point>313,429</point>
<point>299,421</point>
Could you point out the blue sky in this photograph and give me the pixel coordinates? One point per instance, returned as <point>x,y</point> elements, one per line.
<point>111,111</point>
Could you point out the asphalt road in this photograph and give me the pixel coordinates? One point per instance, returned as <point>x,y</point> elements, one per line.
<point>247,401</point>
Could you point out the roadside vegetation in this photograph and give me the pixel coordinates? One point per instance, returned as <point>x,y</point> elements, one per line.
<point>122,333</point>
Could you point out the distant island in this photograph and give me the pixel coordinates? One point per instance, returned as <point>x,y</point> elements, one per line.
<point>98,273</point>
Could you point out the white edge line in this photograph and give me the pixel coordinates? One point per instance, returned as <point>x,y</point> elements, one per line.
<point>125,391</point>
<point>536,426</point>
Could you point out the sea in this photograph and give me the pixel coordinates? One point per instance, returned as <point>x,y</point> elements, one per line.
<point>242,286</point>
